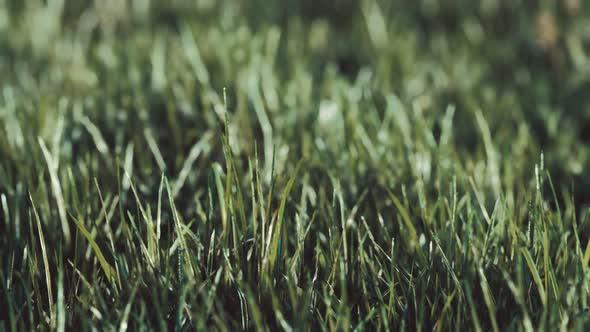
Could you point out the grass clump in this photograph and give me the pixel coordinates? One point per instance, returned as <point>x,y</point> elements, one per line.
<point>294,165</point>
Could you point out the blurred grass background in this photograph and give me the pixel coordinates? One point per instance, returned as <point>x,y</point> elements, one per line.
<point>523,63</point>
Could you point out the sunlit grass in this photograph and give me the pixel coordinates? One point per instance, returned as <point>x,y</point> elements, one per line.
<point>292,166</point>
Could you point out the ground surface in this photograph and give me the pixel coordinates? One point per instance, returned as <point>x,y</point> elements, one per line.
<point>294,165</point>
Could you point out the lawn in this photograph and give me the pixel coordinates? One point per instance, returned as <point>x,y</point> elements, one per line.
<point>295,165</point>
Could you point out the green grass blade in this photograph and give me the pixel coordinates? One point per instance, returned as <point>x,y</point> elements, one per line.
<point>106,267</point>
<point>275,245</point>
<point>412,233</point>
<point>536,276</point>
<point>45,263</point>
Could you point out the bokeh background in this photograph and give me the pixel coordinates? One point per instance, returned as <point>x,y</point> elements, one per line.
<point>524,64</point>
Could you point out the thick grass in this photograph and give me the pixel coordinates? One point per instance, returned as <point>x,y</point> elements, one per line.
<point>258,165</point>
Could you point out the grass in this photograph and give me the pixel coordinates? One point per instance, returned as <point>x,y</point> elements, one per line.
<point>225,165</point>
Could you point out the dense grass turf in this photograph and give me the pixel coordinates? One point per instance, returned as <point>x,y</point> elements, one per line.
<point>294,165</point>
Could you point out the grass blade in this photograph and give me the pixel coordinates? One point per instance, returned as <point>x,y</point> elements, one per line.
<point>106,267</point>
<point>277,233</point>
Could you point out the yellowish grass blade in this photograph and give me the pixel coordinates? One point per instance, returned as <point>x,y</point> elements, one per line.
<point>535,273</point>
<point>414,244</point>
<point>106,267</point>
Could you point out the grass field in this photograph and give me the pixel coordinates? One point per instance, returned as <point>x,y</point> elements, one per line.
<point>295,165</point>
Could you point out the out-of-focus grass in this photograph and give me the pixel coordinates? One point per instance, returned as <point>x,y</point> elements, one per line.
<point>304,165</point>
